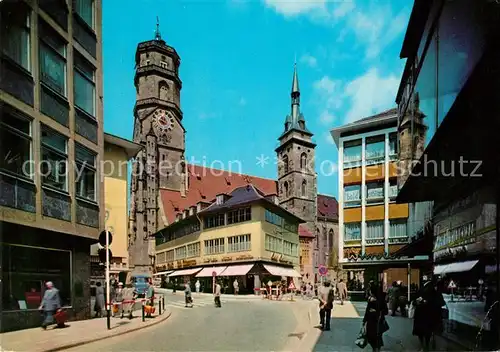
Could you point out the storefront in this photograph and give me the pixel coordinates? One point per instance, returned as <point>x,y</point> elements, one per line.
<point>30,258</point>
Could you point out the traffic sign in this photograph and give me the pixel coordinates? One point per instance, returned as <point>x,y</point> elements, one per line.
<point>214,273</point>
<point>322,270</point>
<point>102,254</point>
<point>291,286</point>
<point>452,284</point>
<point>102,238</point>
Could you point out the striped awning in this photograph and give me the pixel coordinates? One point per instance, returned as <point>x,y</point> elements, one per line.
<point>281,271</point>
<point>207,272</point>
<point>184,272</point>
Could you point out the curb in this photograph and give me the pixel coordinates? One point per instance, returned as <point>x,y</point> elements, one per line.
<point>91,340</point>
<point>311,336</point>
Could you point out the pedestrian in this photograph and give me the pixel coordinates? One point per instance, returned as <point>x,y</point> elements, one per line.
<point>374,323</point>
<point>236,286</point>
<point>119,299</point>
<point>217,294</point>
<point>99,300</point>
<point>342,291</point>
<point>326,296</point>
<point>197,286</point>
<point>150,297</point>
<point>427,320</point>
<point>393,297</point>
<point>174,283</point>
<point>187,295</point>
<point>128,303</point>
<point>50,305</point>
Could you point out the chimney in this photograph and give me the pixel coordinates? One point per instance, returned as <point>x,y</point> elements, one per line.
<point>186,212</point>
<point>192,210</point>
<point>220,199</point>
<point>178,217</point>
<point>200,206</point>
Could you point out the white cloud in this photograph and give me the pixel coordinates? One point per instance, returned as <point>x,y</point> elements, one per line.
<point>326,118</point>
<point>291,8</point>
<point>343,9</point>
<point>310,60</point>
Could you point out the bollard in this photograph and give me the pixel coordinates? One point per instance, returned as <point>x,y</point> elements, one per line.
<point>143,312</point>
<point>159,307</point>
<point>163,301</point>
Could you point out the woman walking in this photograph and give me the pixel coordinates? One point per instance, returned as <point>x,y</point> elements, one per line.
<point>99,300</point>
<point>374,321</point>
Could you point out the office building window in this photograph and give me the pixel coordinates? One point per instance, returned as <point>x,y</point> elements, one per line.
<point>352,231</point>
<point>214,246</point>
<point>273,244</point>
<point>393,146</point>
<point>239,243</point>
<point>374,192</point>
<point>239,215</point>
<point>193,250</point>
<point>393,188</point>
<point>54,159</point>
<point>84,85</point>
<point>52,59</point>
<point>160,258</point>
<point>180,253</point>
<point>398,228</point>
<point>85,9</point>
<point>352,153</point>
<point>375,150</point>
<point>214,221</point>
<point>85,172</point>
<point>15,34</point>
<point>170,256</point>
<point>273,218</point>
<point>15,144</point>
<point>374,230</point>
<point>290,248</point>
<point>352,196</point>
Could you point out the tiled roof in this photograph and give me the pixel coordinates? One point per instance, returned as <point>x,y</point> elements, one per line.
<point>205,184</point>
<point>304,231</point>
<point>239,196</point>
<point>328,207</point>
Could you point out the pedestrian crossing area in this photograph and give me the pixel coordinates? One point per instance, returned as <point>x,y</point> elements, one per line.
<point>198,302</point>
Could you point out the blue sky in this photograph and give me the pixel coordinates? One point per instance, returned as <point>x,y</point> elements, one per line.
<point>237,61</point>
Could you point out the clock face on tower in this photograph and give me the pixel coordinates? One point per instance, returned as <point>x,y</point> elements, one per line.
<point>163,122</point>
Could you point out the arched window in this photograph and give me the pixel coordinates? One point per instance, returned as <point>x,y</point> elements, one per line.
<point>303,188</point>
<point>285,188</point>
<point>162,90</point>
<point>303,161</point>
<point>330,239</point>
<point>285,164</point>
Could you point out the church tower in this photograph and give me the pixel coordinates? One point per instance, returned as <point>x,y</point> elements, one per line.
<point>297,180</point>
<point>158,127</point>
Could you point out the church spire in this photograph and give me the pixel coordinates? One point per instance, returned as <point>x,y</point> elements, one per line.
<point>295,95</point>
<point>157,32</point>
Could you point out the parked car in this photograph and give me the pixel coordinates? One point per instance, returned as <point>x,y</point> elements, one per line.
<point>140,283</point>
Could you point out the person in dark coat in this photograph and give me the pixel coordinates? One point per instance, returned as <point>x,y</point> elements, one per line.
<point>374,319</point>
<point>51,303</point>
<point>427,319</point>
<point>99,300</point>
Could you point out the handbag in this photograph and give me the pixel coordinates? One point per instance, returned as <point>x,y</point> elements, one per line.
<point>383,325</point>
<point>445,313</point>
<point>361,340</point>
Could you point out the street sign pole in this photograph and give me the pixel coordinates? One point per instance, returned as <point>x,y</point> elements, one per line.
<point>108,308</point>
<point>214,274</point>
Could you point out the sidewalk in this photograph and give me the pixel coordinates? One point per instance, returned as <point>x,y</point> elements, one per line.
<point>75,333</point>
<point>202,294</point>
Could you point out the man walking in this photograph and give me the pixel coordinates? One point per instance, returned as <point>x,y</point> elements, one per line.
<point>217,294</point>
<point>236,286</point>
<point>197,286</point>
<point>187,294</point>
<point>326,297</point>
<point>51,303</point>
<point>342,291</point>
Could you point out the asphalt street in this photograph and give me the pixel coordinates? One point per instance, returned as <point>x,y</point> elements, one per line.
<point>240,325</point>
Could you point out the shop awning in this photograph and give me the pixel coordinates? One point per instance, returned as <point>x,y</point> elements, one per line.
<point>281,271</point>
<point>207,272</point>
<point>238,270</point>
<point>459,267</point>
<point>163,273</point>
<point>184,272</point>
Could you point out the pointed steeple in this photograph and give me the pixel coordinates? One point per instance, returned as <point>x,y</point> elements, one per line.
<point>295,82</point>
<point>157,31</point>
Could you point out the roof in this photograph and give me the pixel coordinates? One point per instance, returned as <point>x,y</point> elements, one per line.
<point>369,121</point>
<point>130,147</point>
<point>327,207</point>
<point>204,184</point>
<point>304,231</point>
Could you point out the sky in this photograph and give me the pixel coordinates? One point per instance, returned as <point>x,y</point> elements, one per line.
<point>237,59</point>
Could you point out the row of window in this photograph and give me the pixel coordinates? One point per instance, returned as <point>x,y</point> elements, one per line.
<point>287,190</point>
<point>179,232</point>
<point>374,193</point>
<point>16,44</point>
<point>374,150</point>
<point>278,245</point>
<point>279,221</point>
<point>232,217</point>
<point>459,235</point>
<point>375,230</point>
<point>286,163</point>
<point>16,156</point>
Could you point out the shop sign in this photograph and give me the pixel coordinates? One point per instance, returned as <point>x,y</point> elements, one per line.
<point>226,259</point>
<point>244,257</point>
<point>189,262</point>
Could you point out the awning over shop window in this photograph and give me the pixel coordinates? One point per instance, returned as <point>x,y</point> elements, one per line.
<point>207,272</point>
<point>459,267</point>
<point>163,273</point>
<point>238,270</point>
<point>281,271</point>
<point>184,272</point>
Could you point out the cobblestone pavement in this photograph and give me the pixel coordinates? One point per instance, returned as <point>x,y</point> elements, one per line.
<point>254,325</point>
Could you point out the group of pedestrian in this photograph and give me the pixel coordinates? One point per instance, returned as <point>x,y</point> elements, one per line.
<point>189,297</point>
<point>397,298</point>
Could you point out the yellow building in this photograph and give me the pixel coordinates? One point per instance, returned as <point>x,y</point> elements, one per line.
<point>117,153</point>
<point>243,235</point>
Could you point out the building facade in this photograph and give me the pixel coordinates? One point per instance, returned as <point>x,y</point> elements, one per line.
<point>242,236</point>
<point>372,226</point>
<point>51,145</point>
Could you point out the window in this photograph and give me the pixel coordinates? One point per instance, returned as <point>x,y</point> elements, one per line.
<point>15,34</point>
<point>54,159</point>
<point>352,153</point>
<point>393,146</point>
<point>180,253</point>
<point>161,257</point>
<point>170,256</point>
<point>163,64</point>
<point>292,227</point>
<point>303,161</point>
<point>375,150</point>
<point>85,172</point>
<point>398,228</point>
<point>240,243</point>
<point>285,163</point>
<point>352,195</point>
<point>239,215</point>
<point>330,239</point>
<point>273,218</point>
<point>393,188</point>
<point>274,244</point>
<point>84,85</point>
<point>374,192</point>
<point>290,248</point>
<point>214,221</point>
<point>374,230</point>
<point>303,188</point>
<point>215,246</point>
<point>85,9</point>
<point>15,144</point>
<point>352,231</point>
<point>285,188</point>
<point>25,272</point>
<point>52,59</point>
<point>193,250</point>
